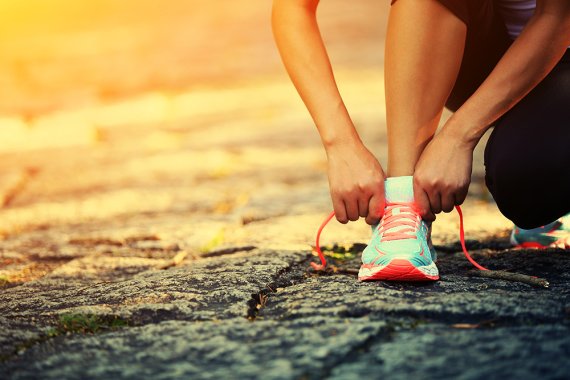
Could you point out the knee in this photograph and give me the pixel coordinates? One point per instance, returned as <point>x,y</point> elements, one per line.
<point>508,181</point>
<point>508,191</point>
<point>520,196</point>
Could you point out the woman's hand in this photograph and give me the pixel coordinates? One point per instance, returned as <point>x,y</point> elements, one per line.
<point>356,178</point>
<point>356,182</point>
<point>443,173</point>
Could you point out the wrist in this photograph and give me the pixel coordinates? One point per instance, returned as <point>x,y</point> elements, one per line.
<point>465,133</point>
<point>341,137</point>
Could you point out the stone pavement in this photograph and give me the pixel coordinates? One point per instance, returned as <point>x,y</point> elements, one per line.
<point>183,253</point>
<point>167,235</point>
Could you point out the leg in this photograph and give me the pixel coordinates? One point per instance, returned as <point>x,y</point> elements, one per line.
<point>424,46</point>
<point>424,49</point>
<point>528,155</point>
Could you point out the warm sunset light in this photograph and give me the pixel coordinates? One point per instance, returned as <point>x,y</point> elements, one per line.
<point>73,69</point>
<point>165,167</point>
<point>61,52</point>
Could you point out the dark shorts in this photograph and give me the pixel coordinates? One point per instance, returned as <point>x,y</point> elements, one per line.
<point>527,157</point>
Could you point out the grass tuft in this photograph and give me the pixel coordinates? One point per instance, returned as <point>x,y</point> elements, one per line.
<point>86,324</point>
<point>4,281</point>
<point>214,242</point>
<point>342,252</point>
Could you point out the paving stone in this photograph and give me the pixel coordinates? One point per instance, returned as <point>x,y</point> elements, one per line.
<point>208,289</point>
<point>206,350</point>
<point>436,352</point>
<point>186,214</point>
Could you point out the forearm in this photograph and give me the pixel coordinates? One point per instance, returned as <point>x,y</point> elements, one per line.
<point>304,55</point>
<point>529,59</point>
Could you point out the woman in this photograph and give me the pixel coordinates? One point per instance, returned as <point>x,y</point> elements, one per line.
<point>493,62</point>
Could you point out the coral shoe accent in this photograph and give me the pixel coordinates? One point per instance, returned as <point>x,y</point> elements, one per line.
<point>397,270</point>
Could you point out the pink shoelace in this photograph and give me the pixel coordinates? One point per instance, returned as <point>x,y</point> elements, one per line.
<point>405,218</point>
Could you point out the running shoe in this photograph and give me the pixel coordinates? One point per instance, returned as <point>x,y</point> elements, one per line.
<point>555,234</point>
<point>400,248</point>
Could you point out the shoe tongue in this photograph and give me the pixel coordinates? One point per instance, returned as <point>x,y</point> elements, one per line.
<point>399,189</point>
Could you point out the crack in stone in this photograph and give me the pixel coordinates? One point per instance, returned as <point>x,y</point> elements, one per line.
<point>141,318</point>
<point>293,274</point>
<point>228,251</point>
<point>259,301</point>
<point>69,325</point>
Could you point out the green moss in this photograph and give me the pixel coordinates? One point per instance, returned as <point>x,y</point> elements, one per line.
<point>86,324</point>
<point>72,324</point>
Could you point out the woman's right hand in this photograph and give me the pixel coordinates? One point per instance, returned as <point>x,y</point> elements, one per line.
<point>356,178</point>
<point>356,182</point>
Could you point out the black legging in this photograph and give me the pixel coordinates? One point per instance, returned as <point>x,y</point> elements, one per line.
<point>527,158</point>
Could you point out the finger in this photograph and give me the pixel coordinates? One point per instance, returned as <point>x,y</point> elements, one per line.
<point>339,210</point>
<point>447,202</point>
<point>460,196</point>
<point>422,201</point>
<point>434,201</point>
<point>363,206</point>
<point>351,209</point>
<point>375,209</point>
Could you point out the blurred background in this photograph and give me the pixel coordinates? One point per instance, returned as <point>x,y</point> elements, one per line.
<point>85,84</point>
<point>177,119</point>
<point>62,53</point>
<point>58,54</point>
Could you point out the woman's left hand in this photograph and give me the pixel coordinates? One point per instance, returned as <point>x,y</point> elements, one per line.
<point>442,174</point>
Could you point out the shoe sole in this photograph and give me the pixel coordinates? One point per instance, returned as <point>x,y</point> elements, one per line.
<point>399,270</point>
<point>526,244</point>
<point>531,245</point>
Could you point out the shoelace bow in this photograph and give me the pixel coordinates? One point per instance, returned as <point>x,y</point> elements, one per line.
<point>408,218</point>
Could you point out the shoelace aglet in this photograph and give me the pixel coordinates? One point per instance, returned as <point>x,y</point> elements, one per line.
<point>318,267</point>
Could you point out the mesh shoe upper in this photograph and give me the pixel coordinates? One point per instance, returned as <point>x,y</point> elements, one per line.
<point>399,239</point>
